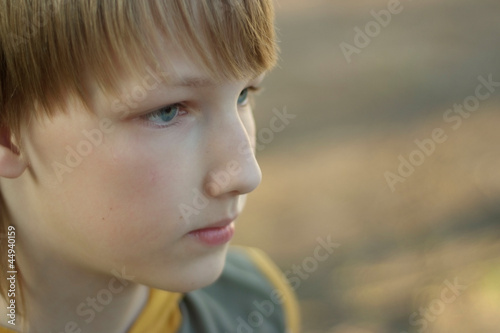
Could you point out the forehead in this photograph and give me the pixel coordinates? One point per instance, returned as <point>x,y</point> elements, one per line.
<point>177,68</point>
<point>183,66</point>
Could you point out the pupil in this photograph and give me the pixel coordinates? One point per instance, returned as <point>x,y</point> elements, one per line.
<point>168,113</point>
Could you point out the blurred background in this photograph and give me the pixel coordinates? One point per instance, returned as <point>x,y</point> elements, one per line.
<point>418,228</point>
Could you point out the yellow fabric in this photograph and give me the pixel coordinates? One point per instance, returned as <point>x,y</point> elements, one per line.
<point>153,317</point>
<point>278,280</point>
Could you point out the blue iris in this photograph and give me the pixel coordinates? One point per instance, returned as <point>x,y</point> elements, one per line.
<point>165,114</point>
<point>242,99</point>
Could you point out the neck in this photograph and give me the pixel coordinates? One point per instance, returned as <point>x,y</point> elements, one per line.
<point>61,297</point>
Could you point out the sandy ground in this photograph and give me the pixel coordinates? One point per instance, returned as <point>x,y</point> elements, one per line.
<point>420,255</point>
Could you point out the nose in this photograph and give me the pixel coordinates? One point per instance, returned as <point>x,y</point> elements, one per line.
<point>233,168</point>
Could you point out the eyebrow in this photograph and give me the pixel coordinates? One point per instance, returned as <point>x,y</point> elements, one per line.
<point>193,82</point>
<point>196,82</point>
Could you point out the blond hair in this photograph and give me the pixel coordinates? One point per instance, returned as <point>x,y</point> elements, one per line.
<point>47,47</point>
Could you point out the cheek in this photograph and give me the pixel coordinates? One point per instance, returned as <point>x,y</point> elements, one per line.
<point>139,198</point>
<point>120,199</point>
<point>145,186</point>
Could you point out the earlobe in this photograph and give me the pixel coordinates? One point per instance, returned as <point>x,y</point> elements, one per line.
<point>12,164</point>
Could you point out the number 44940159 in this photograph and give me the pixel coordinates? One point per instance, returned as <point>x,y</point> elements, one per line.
<point>12,244</point>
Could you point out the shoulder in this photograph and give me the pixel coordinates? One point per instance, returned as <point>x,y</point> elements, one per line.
<point>251,295</point>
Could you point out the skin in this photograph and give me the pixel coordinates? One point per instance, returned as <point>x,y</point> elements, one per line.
<point>119,209</point>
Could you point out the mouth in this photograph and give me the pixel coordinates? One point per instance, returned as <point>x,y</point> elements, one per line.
<point>215,234</point>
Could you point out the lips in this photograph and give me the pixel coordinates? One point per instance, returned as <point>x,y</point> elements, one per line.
<point>217,233</point>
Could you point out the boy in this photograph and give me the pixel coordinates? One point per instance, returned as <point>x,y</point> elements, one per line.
<point>126,152</point>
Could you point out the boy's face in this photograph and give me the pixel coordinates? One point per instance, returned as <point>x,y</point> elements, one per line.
<point>123,188</point>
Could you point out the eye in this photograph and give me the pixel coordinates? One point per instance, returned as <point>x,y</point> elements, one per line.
<point>164,115</point>
<point>243,98</point>
<point>245,95</point>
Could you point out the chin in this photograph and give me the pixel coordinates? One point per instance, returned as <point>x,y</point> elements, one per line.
<point>206,270</point>
<point>198,273</point>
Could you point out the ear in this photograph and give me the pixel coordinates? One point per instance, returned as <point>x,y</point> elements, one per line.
<point>12,164</point>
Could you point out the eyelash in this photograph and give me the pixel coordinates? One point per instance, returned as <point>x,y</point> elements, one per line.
<point>181,110</point>
<point>251,90</point>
